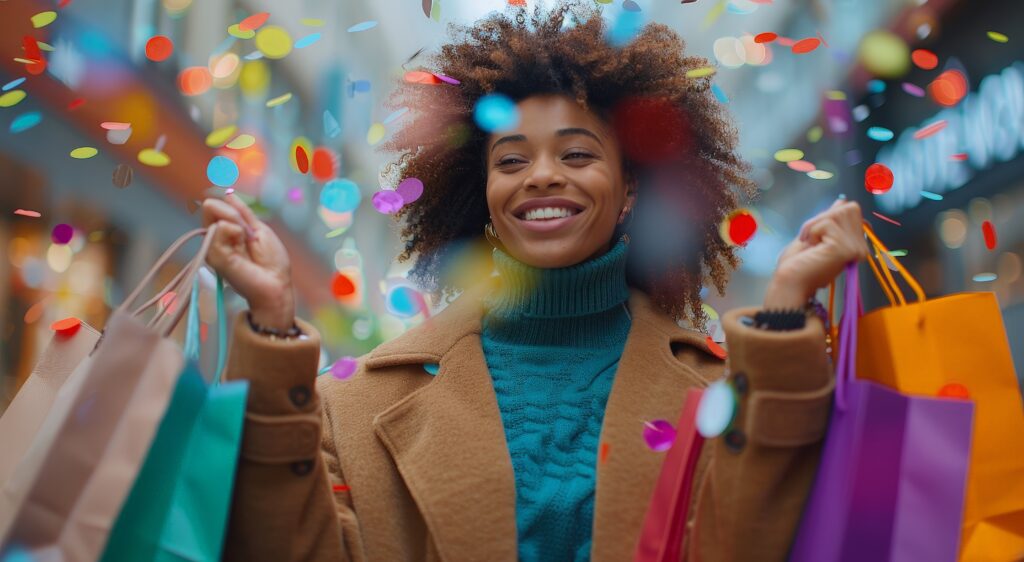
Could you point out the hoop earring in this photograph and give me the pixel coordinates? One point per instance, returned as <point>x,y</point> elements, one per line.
<point>491,235</point>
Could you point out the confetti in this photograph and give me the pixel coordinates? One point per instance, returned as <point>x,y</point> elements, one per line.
<point>789,155</point>
<point>717,350</point>
<point>25,121</point>
<point>75,104</point>
<point>988,230</point>
<point>410,189</point>
<point>279,100</point>
<point>307,40</point>
<point>716,410</point>
<point>880,134</point>
<point>766,37</point>
<point>323,164</point>
<point>123,176</point>
<point>115,125</point>
<point>739,227</point>
<point>603,454</point>
<point>805,46</point>
<point>815,133</point>
<point>362,26</point>
<point>659,435</point>
<point>66,327</point>
<point>340,488</point>
<point>312,22</point>
<point>344,367</point>
<point>997,37</point>
<point>954,390</point>
<point>12,98</point>
<point>924,59</point>
<point>402,302</point>
<point>930,195</point>
<point>301,160</point>
<point>886,219</point>
<point>13,84</point>
<point>420,77</point>
<point>43,19</point>
<point>948,88</point>
<point>984,277</point>
<point>342,286</point>
<point>331,126</point>
<point>496,113</point>
<point>274,42</point>
<point>930,130</point>
<point>238,32</point>
<point>801,166</point>
<point>241,142</point>
<point>153,157</point>
<point>878,179</point>
<point>387,202</point>
<point>700,72</point>
<point>958,157</point>
<point>884,54</point>
<point>159,48</point>
<point>253,22</point>
<point>820,175</point>
<point>83,152</point>
<point>62,234</point>
<point>395,115</point>
<point>719,93</point>
<point>222,171</point>
<point>28,213</point>
<point>375,134</point>
<point>912,89</point>
<point>218,137</point>
<point>194,80</point>
<point>340,195</point>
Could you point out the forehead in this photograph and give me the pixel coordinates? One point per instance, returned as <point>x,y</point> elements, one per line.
<point>542,116</point>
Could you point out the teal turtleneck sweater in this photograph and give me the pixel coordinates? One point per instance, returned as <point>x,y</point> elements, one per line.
<point>552,339</point>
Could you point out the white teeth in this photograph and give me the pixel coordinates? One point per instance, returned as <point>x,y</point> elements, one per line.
<point>548,213</point>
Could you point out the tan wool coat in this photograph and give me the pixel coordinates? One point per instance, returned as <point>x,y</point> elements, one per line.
<point>396,464</point>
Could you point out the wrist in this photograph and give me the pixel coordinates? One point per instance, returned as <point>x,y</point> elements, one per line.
<point>781,295</point>
<point>278,315</point>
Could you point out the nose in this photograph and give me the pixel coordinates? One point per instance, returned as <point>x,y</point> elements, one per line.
<point>544,173</point>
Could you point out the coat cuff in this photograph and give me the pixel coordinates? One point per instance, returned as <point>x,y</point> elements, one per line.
<point>788,378</point>
<point>283,372</point>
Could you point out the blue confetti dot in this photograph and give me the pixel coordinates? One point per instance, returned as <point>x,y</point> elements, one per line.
<point>625,28</point>
<point>876,86</point>
<point>395,115</point>
<point>13,83</point>
<point>495,113</point>
<point>26,121</point>
<point>431,368</point>
<point>930,195</point>
<point>402,302</point>
<point>307,41</point>
<point>222,171</point>
<point>880,134</point>
<point>340,195</point>
<point>363,26</point>
<point>719,93</point>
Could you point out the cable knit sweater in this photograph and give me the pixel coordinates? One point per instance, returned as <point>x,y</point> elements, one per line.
<point>552,339</point>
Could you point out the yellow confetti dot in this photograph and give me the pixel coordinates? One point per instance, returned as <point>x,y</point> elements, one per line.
<point>242,141</point>
<point>274,42</point>
<point>789,155</point>
<point>220,136</point>
<point>375,134</point>
<point>83,152</point>
<point>998,37</point>
<point>836,95</point>
<point>312,22</point>
<point>45,46</point>
<point>153,157</point>
<point>700,72</point>
<point>820,175</point>
<point>43,19</point>
<point>279,100</point>
<point>255,78</point>
<point>307,147</point>
<point>240,33</point>
<point>711,312</point>
<point>815,133</point>
<point>12,98</point>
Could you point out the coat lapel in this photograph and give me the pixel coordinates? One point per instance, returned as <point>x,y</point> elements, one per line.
<point>447,438</point>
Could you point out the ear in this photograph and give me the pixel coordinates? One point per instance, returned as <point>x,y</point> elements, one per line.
<point>631,185</point>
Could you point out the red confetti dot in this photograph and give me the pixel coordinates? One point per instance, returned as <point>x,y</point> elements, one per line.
<point>958,157</point>
<point>954,390</point>
<point>67,326</point>
<point>716,349</point>
<point>76,103</point>
<point>62,234</point>
<point>340,488</point>
<point>804,46</point>
<point>158,48</point>
<point>924,59</point>
<point>742,227</point>
<point>948,88</point>
<point>766,37</point>
<point>930,130</point>
<point>989,231</point>
<point>323,164</point>
<point>253,22</point>
<point>878,179</point>
<point>301,159</point>
<point>603,455</point>
<point>801,166</point>
<point>342,286</point>
<point>420,77</point>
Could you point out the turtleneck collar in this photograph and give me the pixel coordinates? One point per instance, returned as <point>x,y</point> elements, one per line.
<point>575,305</point>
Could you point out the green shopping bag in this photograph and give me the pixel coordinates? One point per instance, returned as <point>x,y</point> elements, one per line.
<point>180,501</point>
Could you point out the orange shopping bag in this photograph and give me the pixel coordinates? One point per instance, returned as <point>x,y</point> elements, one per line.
<point>956,346</point>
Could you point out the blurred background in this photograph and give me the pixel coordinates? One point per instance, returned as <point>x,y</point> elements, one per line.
<point>117,117</point>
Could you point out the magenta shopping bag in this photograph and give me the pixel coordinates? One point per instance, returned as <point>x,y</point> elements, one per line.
<point>893,470</point>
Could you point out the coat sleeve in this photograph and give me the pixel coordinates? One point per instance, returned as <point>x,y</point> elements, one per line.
<point>753,480</point>
<point>283,508</point>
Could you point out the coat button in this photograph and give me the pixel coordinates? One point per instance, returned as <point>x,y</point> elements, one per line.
<point>302,468</point>
<point>735,440</point>
<point>740,383</point>
<point>299,395</point>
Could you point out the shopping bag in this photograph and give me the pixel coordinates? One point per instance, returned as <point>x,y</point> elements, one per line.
<point>27,412</point>
<point>179,504</point>
<point>890,486</point>
<point>65,493</point>
<point>957,345</point>
<point>661,538</point>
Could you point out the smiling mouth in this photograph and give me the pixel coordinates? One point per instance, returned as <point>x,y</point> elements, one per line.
<point>541,217</point>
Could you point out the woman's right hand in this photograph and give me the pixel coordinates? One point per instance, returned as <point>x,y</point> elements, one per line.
<point>252,259</point>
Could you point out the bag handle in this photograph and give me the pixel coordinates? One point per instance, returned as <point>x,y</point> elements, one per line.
<point>192,332</point>
<point>163,259</point>
<point>165,324</point>
<point>847,364</point>
<point>889,285</point>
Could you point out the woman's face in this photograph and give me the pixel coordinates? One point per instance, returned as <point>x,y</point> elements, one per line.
<point>564,159</point>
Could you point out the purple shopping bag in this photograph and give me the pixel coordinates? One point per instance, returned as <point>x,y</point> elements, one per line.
<point>893,470</point>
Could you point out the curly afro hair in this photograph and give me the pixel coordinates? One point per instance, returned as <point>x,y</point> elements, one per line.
<point>679,146</point>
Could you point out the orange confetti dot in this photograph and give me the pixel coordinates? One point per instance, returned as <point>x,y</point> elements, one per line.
<point>253,22</point>
<point>804,46</point>
<point>67,326</point>
<point>158,48</point>
<point>948,88</point>
<point>421,77</point>
<point>716,349</point>
<point>603,455</point>
<point>954,390</point>
<point>323,164</point>
<point>340,488</point>
<point>194,80</point>
<point>766,37</point>
<point>342,286</point>
<point>924,59</point>
<point>988,230</point>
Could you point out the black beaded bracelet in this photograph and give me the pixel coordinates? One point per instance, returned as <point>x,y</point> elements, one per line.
<point>782,320</point>
<point>290,333</point>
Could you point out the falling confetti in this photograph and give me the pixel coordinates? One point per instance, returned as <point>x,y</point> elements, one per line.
<point>789,155</point>
<point>930,195</point>
<point>984,277</point>
<point>159,48</point>
<point>924,59</point>
<point>878,179</point>
<point>153,157</point>
<point>62,234</point>
<point>801,166</point>
<point>375,133</point>
<point>805,46</point>
<point>340,195</point>
<point>13,84</point>
<point>362,26</point>
<point>496,113</point>
<point>886,219</point>
<point>997,37</point>
<point>659,435</point>
<point>323,164</point>
<point>344,367</point>
<point>301,160</point>
<point>739,227</point>
<point>421,77</point>
<point>820,175</point>
<point>342,286</point>
<point>274,42</point>
<point>254,21</point>
<point>83,152</point>
<point>222,171</point>
<point>387,202</point>
<point>28,213</point>
<point>12,98</point>
<point>25,121</point>
<point>700,72</point>
<point>912,89</point>
<point>719,93</point>
<point>236,31</point>
<point>194,80</point>
<point>308,40</point>
<point>988,230</point>
<point>67,326</point>
<point>241,142</point>
<point>948,88</point>
<point>930,130</point>
<point>766,37</point>
<point>880,134</point>
<point>218,137</point>
<point>43,19</point>
<point>716,410</point>
<point>402,301</point>
<point>410,189</point>
<point>283,98</point>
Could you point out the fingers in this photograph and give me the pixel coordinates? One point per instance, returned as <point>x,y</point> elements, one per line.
<point>229,239</point>
<point>216,210</point>
<point>846,213</point>
<point>243,210</point>
<point>849,243</point>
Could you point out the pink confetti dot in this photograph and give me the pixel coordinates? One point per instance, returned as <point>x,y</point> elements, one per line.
<point>344,368</point>
<point>659,435</point>
<point>62,234</point>
<point>410,189</point>
<point>387,202</point>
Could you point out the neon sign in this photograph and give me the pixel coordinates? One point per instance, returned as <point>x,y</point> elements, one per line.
<point>987,125</point>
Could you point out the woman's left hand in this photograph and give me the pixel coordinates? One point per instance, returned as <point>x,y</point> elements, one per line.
<point>826,243</point>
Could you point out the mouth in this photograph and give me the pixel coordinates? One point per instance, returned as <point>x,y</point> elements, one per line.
<point>547,220</point>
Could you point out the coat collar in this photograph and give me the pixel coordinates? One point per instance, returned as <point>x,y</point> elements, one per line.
<point>432,444</point>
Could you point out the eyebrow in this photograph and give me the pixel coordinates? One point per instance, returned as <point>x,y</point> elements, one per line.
<point>561,133</point>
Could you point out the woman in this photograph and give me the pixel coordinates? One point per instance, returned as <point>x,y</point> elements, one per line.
<point>509,425</point>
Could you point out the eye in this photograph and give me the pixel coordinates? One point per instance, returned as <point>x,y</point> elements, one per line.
<point>511,160</point>
<point>577,155</point>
